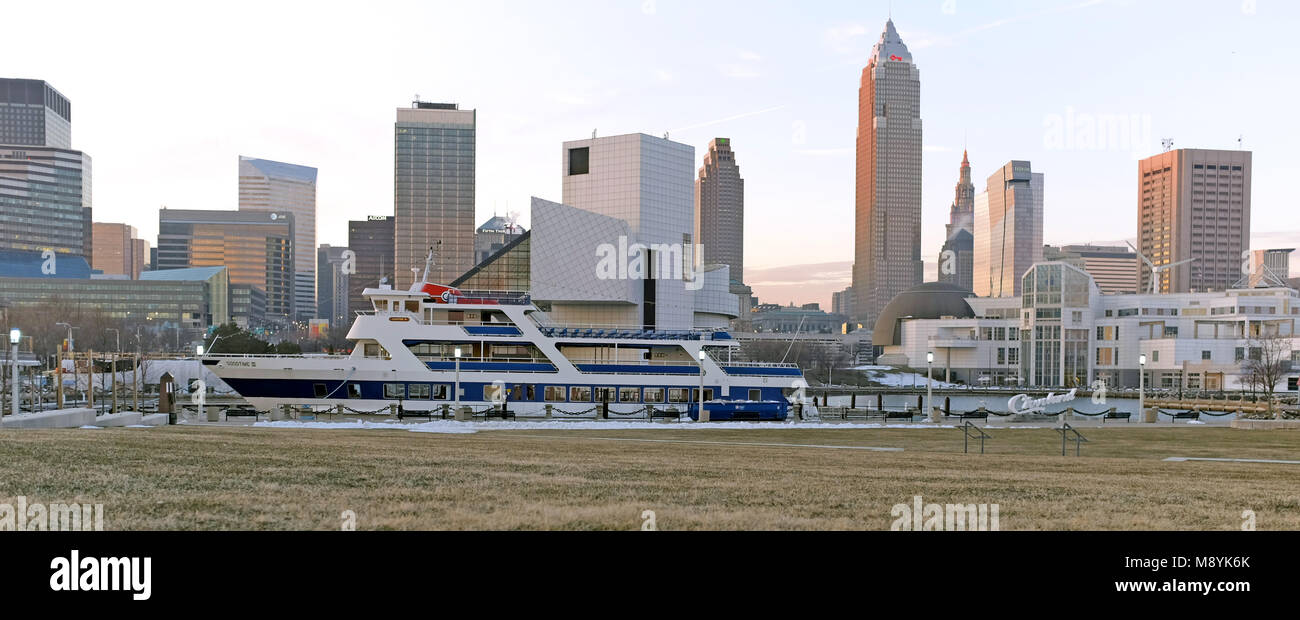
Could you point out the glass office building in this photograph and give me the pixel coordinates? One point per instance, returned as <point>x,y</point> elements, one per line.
<point>266,185</point>
<point>433,190</point>
<point>255,246</point>
<point>45,200</point>
<point>32,113</point>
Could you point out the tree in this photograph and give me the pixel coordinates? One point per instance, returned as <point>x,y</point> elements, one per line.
<point>1269,359</point>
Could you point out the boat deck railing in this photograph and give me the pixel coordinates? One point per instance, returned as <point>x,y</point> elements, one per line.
<point>322,356</point>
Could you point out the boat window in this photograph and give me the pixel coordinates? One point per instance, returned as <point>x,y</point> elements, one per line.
<point>755,395</point>
<point>418,391</point>
<point>676,395</point>
<point>374,350</point>
<point>606,395</point>
<point>320,390</point>
<point>493,392</point>
<point>554,393</point>
<point>395,390</point>
<point>654,395</point>
<point>413,306</point>
<point>629,395</point>
<point>580,394</point>
<point>354,390</point>
<point>442,391</point>
<point>695,394</point>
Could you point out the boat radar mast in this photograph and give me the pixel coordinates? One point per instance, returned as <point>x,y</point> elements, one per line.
<point>428,265</point>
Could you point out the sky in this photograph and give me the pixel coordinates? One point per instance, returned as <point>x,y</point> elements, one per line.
<point>167,96</point>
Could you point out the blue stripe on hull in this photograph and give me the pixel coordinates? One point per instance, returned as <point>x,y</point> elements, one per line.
<point>771,399</point>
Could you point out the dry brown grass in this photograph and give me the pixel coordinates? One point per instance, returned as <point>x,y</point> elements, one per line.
<point>243,478</point>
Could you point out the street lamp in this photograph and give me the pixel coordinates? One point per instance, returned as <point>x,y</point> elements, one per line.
<point>15,335</point>
<point>456,394</point>
<point>929,383</point>
<point>703,417</point>
<point>1142,383</point>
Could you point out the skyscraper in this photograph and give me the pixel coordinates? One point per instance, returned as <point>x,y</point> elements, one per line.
<point>433,190</point>
<point>332,286</point>
<point>256,248</point>
<point>1008,229</point>
<point>1194,204</point>
<point>45,197</point>
<point>956,258</point>
<point>266,185</point>
<point>45,200</point>
<point>118,251</point>
<point>720,209</point>
<point>371,241</point>
<point>887,254</point>
<point>32,113</point>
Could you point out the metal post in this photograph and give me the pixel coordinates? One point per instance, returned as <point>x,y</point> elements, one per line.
<point>58,379</point>
<point>929,384</point>
<point>702,417</point>
<point>1142,382</point>
<point>457,387</point>
<point>14,337</point>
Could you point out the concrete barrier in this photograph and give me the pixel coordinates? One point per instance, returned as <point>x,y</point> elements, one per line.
<point>123,418</point>
<point>1266,425</point>
<point>60,418</point>
<point>155,419</point>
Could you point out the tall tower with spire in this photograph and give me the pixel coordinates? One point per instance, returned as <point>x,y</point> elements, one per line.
<point>887,244</point>
<point>956,259</point>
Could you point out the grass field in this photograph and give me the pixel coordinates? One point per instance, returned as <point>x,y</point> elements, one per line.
<point>192,477</point>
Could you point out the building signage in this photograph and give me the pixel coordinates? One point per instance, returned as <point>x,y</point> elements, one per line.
<point>1022,403</point>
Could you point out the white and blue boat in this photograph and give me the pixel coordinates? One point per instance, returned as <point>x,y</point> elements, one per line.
<point>433,349</point>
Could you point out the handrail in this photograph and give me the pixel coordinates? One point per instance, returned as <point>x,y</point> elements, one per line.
<point>685,362</point>
<point>754,364</point>
<point>1078,438</point>
<point>323,356</point>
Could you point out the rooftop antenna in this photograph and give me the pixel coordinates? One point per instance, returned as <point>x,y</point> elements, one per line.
<point>1168,143</point>
<point>1156,269</point>
<point>593,134</point>
<point>416,102</point>
<point>1239,137</point>
<point>665,135</point>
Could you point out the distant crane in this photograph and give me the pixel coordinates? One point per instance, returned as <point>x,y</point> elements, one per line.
<point>1157,269</point>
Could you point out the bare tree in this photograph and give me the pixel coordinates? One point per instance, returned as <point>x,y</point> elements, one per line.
<point>1267,362</point>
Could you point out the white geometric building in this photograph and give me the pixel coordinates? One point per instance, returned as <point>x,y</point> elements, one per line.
<point>620,249</point>
<point>1062,332</point>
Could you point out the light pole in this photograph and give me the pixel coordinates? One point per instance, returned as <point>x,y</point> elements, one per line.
<point>15,335</point>
<point>117,353</point>
<point>1142,384</point>
<point>703,417</point>
<point>929,384</point>
<point>456,393</point>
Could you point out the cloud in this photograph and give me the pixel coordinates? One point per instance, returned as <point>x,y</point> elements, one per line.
<point>728,119</point>
<point>844,38</point>
<point>848,150</point>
